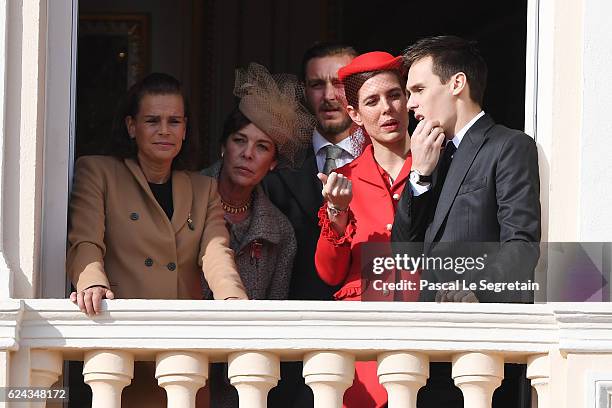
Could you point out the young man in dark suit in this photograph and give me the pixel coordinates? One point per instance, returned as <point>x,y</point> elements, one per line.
<point>476,181</point>
<point>471,181</point>
<point>297,193</point>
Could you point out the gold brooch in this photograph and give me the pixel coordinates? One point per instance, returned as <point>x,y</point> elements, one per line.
<point>190,222</point>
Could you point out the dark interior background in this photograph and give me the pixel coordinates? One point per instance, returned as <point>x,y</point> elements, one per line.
<point>201,42</point>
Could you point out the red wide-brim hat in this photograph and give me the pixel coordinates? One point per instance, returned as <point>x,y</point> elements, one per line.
<point>370,61</point>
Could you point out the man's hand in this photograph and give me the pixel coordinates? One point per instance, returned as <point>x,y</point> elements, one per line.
<point>425,143</point>
<point>456,296</point>
<point>337,190</point>
<point>90,299</point>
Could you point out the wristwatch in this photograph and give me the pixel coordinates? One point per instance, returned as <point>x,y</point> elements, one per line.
<point>418,178</point>
<point>335,211</point>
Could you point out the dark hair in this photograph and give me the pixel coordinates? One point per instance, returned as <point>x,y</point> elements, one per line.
<point>353,83</point>
<point>451,54</point>
<point>122,146</point>
<point>233,123</point>
<point>324,49</point>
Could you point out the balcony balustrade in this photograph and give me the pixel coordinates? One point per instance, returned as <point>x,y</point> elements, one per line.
<point>183,337</point>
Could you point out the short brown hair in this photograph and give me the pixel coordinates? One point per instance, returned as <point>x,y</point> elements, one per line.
<point>324,49</point>
<point>451,54</point>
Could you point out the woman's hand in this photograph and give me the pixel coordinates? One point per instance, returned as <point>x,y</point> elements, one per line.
<point>337,190</point>
<point>90,299</point>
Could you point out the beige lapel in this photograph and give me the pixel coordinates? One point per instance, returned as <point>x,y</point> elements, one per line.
<point>181,194</point>
<point>136,171</point>
<point>182,197</point>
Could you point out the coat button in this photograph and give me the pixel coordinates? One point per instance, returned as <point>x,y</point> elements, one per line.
<point>134,216</point>
<point>389,227</point>
<point>171,266</point>
<point>148,262</point>
<point>396,196</point>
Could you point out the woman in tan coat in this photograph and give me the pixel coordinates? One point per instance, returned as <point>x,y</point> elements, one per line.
<point>138,226</point>
<point>141,226</point>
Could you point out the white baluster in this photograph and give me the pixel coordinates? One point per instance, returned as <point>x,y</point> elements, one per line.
<point>403,374</point>
<point>329,374</point>
<point>107,372</point>
<point>45,369</point>
<point>181,374</point>
<point>538,371</point>
<point>478,375</point>
<point>5,364</point>
<point>253,374</point>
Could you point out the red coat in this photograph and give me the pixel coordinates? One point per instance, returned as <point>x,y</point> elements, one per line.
<point>339,258</point>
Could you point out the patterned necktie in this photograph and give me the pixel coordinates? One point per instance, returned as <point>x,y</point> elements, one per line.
<point>332,152</point>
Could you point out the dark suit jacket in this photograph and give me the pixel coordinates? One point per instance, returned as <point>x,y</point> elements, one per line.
<point>297,193</point>
<point>491,194</point>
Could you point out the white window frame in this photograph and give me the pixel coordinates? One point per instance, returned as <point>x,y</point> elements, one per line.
<point>58,148</point>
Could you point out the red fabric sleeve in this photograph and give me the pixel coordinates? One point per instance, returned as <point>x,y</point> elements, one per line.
<point>333,255</point>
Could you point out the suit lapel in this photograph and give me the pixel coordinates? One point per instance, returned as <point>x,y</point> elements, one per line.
<point>136,171</point>
<point>367,170</point>
<point>181,186</point>
<point>305,186</point>
<point>462,161</point>
<point>369,173</point>
<point>181,199</point>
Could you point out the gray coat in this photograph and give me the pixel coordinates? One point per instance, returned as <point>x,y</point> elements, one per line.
<point>264,256</point>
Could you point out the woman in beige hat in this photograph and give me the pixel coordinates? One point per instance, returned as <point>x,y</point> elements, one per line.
<point>268,129</point>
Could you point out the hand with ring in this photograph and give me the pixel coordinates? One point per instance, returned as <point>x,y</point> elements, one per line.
<point>90,299</point>
<point>337,189</point>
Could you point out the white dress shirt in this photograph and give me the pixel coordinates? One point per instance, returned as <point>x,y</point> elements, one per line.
<point>349,151</point>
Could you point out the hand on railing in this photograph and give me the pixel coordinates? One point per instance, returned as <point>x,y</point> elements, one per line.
<point>90,299</point>
<point>457,296</point>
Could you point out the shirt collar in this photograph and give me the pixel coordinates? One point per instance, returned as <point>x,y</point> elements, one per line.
<point>459,136</point>
<point>319,142</point>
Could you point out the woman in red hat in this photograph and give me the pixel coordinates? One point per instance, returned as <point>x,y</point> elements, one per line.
<point>361,199</point>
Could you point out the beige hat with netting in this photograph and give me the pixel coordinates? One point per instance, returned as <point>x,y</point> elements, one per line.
<point>272,103</point>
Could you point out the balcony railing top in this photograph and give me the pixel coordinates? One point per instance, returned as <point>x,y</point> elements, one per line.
<point>292,328</point>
